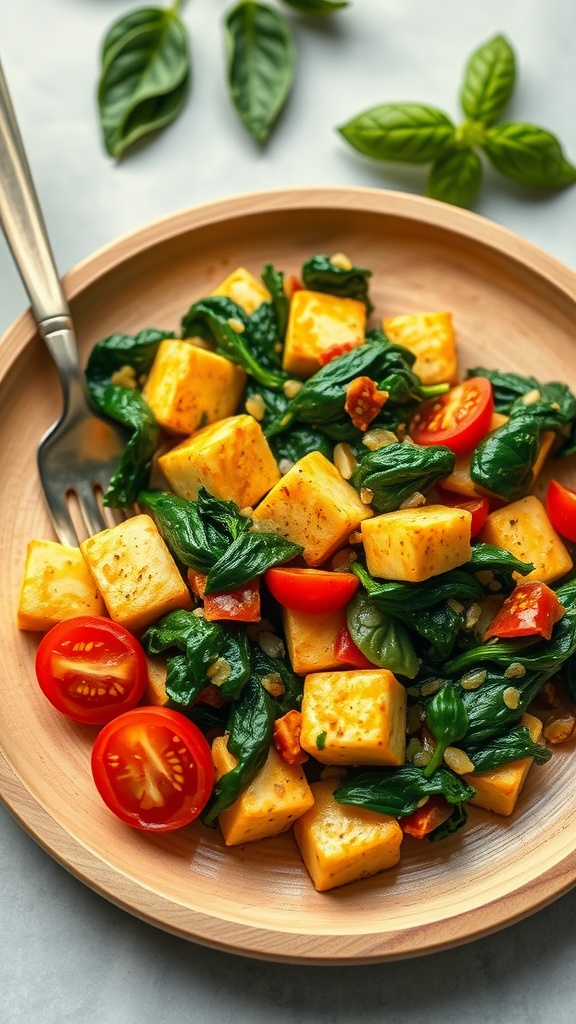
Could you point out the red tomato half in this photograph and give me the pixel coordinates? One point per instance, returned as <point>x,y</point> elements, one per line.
<point>478,507</point>
<point>561,509</point>
<point>314,591</point>
<point>530,610</point>
<point>91,669</point>
<point>459,419</point>
<point>153,768</point>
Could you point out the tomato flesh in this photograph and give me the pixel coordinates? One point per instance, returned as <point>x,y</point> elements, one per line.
<point>313,591</point>
<point>346,651</point>
<point>478,507</point>
<point>459,419</point>
<point>425,819</point>
<point>91,669</point>
<point>561,509</point>
<point>153,768</point>
<point>532,609</point>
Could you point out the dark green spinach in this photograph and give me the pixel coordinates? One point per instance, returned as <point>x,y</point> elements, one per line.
<point>383,639</point>
<point>447,720</point>
<point>398,791</point>
<point>320,274</point>
<point>394,472</point>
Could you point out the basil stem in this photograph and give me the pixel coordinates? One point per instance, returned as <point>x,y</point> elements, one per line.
<point>261,62</point>
<point>145,75</point>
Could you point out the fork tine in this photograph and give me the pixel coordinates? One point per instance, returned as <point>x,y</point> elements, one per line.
<point>61,519</point>
<point>89,508</point>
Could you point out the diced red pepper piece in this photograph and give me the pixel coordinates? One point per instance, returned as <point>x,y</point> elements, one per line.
<point>364,401</point>
<point>239,605</point>
<point>346,651</point>
<point>530,610</point>
<point>287,738</point>
<point>425,819</point>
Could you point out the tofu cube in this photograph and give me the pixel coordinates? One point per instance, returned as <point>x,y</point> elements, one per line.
<point>135,573</point>
<point>414,544</point>
<point>355,716</point>
<point>57,585</point>
<point>499,790</point>
<point>431,338</point>
<point>340,843</point>
<point>269,805</point>
<point>231,459</point>
<point>188,387</point>
<point>314,506</point>
<point>311,639</point>
<point>244,289</point>
<point>523,528</point>
<point>460,480</point>
<point>318,322</point>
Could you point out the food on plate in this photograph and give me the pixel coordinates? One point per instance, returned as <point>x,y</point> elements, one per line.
<point>349,612</point>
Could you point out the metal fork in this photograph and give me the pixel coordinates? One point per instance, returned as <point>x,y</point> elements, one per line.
<point>79,454</point>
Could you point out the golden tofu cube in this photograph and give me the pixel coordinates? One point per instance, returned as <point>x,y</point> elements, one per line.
<point>314,506</point>
<point>354,716</point>
<point>523,528</point>
<point>460,480</point>
<point>57,585</point>
<point>188,387</point>
<point>244,289</point>
<point>311,639</point>
<point>317,323</point>
<point>270,804</point>
<point>231,459</point>
<point>341,843</point>
<point>499,790</point>
<point>155,692</point>
<point>135,573</point>
<point>414,544</point>
<point>431,338</point>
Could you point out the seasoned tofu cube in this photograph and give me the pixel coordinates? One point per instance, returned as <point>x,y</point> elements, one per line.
<point>231,459</point>
<point>244,289</point>
<point>342,843</point>
<point>314,506</point>
<point>155,692</point>
<point>311,639</point>
<point>499,790</point>
<point>431,338</point>
<point>57,584</point>
<point>317,323</point>
<point>189,387</point>
<point>270,804</point>
<point>354,716</point>
<point>523,528</point>
<point>135,573</point>
<point>460,480</point>
<point>414,544</point>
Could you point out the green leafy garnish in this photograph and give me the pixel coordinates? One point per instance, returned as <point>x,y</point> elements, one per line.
<point>145,75</point>
<point>422,134</point>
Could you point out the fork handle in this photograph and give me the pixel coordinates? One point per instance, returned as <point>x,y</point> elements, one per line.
<point>24,226</point>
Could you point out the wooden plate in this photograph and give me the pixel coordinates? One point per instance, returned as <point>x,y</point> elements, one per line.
<point>515,308</point>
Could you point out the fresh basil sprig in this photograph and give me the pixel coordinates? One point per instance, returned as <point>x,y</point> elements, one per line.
<point>418,134</point>
<point>145,75</point>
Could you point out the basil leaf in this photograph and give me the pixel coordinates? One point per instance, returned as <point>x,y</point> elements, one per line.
<point>317,6</point>
<point>383,639</point>
<point>145,75</point>
<point>408,132</point>
<point>489,81</point>
<point>398,791</point>
<point>401,598</point>
<point>529,155</point>
<point>455,177</point>
<point>261,62</point>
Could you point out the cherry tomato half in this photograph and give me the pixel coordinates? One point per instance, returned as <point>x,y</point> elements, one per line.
<point>561,509</point>
<point>478,507</point>
<point>91,669</point>
<point>530,610</point>
<point>153,768</point>
<point>459,419</point>
<point>314,591</point>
